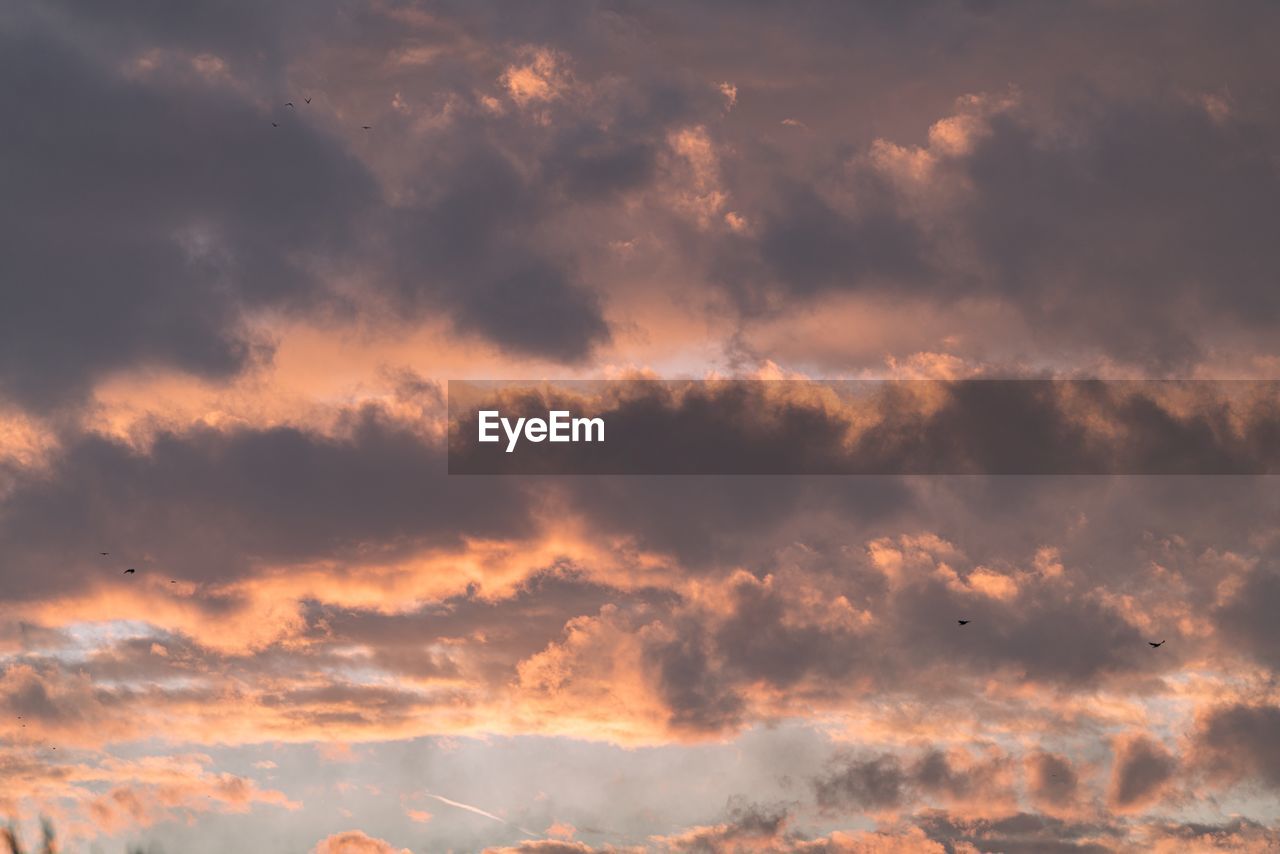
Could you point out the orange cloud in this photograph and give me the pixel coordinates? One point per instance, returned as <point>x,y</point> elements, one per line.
<point>355,842</point>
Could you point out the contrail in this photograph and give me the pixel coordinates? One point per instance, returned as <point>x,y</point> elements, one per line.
<point>479,811</point>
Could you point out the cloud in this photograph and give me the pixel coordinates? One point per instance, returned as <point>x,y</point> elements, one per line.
<point>876,783</point>
<point>280,494</point>
<point>1144,768</point>
<point>886,783</point>
<point>552,846</point>
<point>219,351</point>
<point>1236,743</point>
<point>355,842</point>
<point>238,237</point>
<point>1243,614</point>
<point>1022,833</point>
<point>1055,784</point>
<point>1237,834</point>
<point>966,426</point>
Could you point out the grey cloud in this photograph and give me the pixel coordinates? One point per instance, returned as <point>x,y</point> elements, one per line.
<point>810,246</point>
<point>514,626</point>
<point>547,846</point>
<point>888,781</point>
<point>1116,227</point>
<point>1049,635</point>
<point>1025,833</point>
<point>1119,224</point>
<point>154,208</point>
<point>699,697</point>
<point>758,641</point>
<point>935,775</point>
<point>1142,768</point>
<point>1231,835</point>
<point>208,504</point>
<point>1111,236</point>
<point>974,426</point>
<point>715,521</point>
<point>1054,779</point>
<point>1247,617</point>
<point>468,242</point>
<point>1238,743</point>
<point>145,217</point>
<point>876,783</point>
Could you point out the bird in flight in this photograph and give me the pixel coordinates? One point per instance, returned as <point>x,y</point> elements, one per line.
<point>274,125</point>
<point>366,127</point>
<point>130,571</point>
<point>104,554</point>
<point>963,622</point>
<point>289,104</point>
<point>308,100</point>
<point>1154,644</point>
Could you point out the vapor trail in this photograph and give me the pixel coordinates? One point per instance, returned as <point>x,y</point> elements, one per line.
<point>484,813</point>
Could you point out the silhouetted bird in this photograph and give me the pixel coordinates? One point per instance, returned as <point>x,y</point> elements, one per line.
<point>104,554</point>
<point>274,125</point>
<point>289,104</point>
<point>308,100</point>
<point>366,127</point>
<point>963,622</point>
<point>1156,644</point>
<point>130,571</point>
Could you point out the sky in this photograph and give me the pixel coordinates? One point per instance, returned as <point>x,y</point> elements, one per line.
<point>244,246</point>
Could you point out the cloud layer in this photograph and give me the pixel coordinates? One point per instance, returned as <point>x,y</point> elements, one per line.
<point>245,247</point>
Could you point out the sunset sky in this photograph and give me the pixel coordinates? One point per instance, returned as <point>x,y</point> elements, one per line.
<point>226,325</point>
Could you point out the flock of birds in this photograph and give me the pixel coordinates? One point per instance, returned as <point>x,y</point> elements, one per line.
<point>1151,644</point>
<point>307,100</point>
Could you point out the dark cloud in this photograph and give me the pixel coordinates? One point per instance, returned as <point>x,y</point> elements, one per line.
<point>471,243</point>
<point>1247,617</point>
<point>888,781</point>
<point>184,211</point>
<point>1024,833</point>
<point>1141,210</point>
<point>1238,834</point>
<point>547,846</point>
<point>156,208</point>
<point>241,29</point>
<point>1237,743</point>
<point>209,504</point>
<point>716,521</point>
<point>1054,780</point>
<point>1130,226</point>
<point>875,783</point>
<point>811,247</point>
<point>1117,196</point>
<point>977,426</point>
<point>1143,767</point>
<point>700,699</point>
<point>148,214</point>
<point>759,640</point>
<point>937,775</point>
<point>514,626</point>
<point>1044,633</point>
